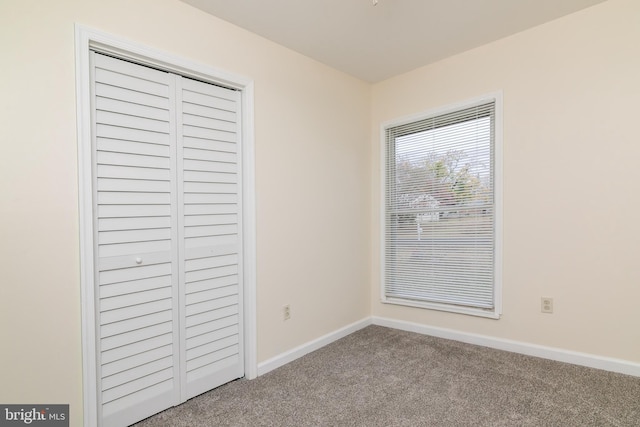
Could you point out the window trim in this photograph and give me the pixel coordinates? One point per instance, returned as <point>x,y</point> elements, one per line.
<point>495,97</point>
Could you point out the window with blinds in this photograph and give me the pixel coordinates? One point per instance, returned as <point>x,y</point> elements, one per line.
<point>441,245</point>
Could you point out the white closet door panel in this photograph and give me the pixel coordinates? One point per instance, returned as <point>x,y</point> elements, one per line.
<point>167,238</point>
<point>206,144</point>
<point>134,155</point>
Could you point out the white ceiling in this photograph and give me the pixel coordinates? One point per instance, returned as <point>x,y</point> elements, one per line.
<point>374,43</point>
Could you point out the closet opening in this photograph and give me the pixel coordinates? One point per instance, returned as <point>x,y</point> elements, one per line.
<point>167,228</point>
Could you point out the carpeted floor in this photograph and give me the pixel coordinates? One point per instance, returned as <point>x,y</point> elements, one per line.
<point>385,377</point>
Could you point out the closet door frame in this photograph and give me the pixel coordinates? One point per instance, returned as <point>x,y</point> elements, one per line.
<point>87,39</point>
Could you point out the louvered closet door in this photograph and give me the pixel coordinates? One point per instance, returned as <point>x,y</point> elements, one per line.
<point>209,196</point>
<point>167,238</point>
<point>135,226</point>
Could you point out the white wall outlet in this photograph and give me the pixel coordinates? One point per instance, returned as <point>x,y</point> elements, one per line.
<point>546,305</point>
<point>286,312</point>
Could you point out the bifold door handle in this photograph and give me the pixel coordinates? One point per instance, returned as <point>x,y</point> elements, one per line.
<point>138,260</point>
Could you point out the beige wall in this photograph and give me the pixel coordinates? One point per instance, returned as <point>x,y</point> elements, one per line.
<point>571,177</point>
<point>312,172</point>
<point>570,232</point>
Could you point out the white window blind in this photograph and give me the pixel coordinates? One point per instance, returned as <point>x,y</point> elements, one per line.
<point>440,222</point>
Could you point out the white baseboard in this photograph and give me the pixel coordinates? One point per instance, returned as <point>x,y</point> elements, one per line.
<point>295,353</point>
<point>576,358</point>
<point>552,353</point>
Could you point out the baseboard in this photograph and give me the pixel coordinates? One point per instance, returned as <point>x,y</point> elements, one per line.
<point>295,353</point>
<point>576,358</point>
<point>552,353</point>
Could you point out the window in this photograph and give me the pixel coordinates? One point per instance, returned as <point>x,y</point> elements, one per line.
<point>442,210</point>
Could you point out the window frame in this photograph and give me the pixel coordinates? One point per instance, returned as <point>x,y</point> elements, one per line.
<point>496,98</point>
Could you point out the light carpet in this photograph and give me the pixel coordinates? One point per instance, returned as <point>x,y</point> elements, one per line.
<point>385,377</point>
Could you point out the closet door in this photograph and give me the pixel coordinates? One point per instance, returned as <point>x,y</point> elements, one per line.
<point>209,229</point>
<point>167,238</point>
<point>135,205</point>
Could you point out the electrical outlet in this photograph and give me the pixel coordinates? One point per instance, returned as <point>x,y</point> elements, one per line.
<point>546,305</point>
<point>286,312</point>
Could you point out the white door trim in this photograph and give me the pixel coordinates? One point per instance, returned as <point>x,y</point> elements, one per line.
<point>86,39</point>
